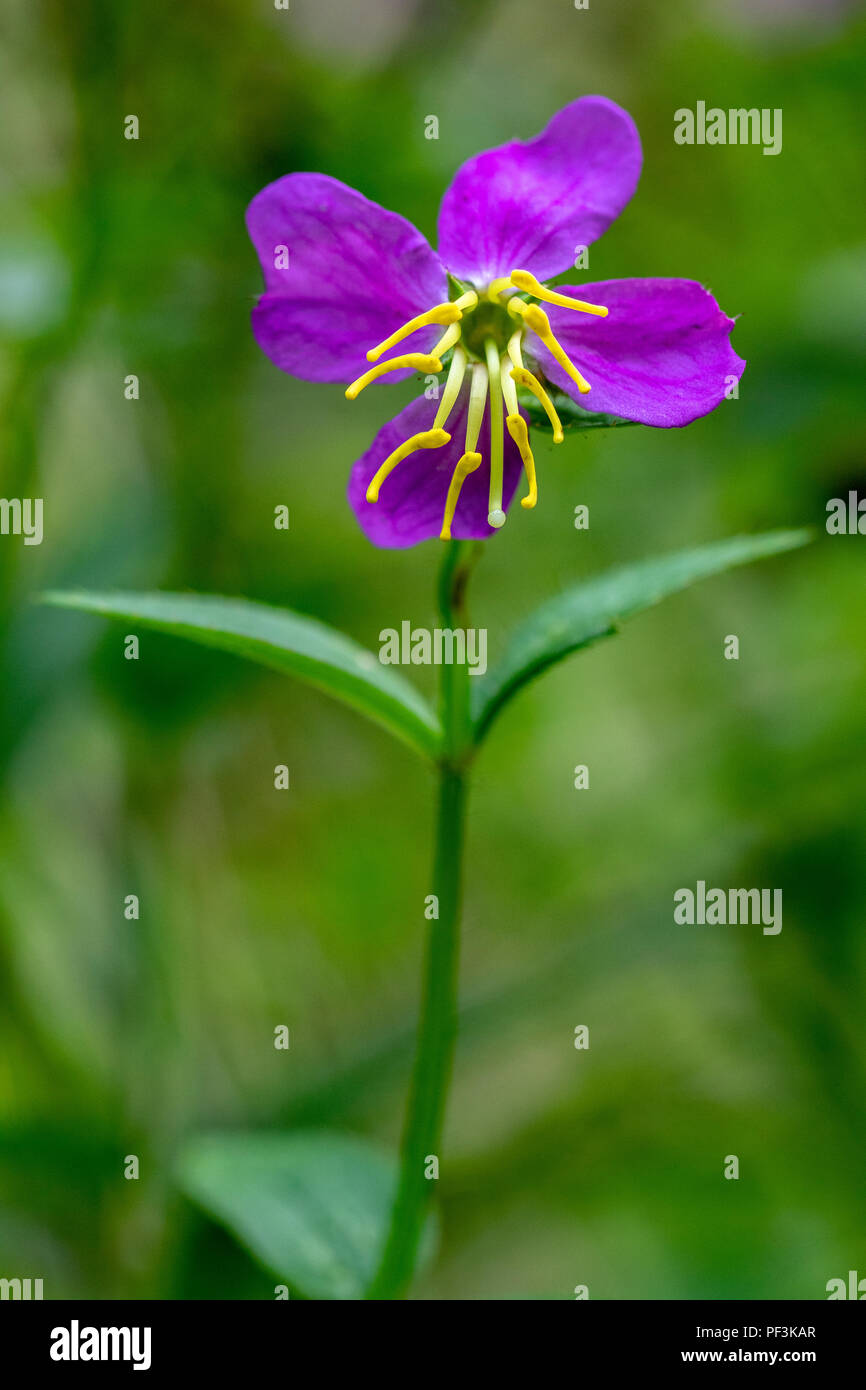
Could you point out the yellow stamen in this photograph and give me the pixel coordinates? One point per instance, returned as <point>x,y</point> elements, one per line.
<point>514,347</point>
<point>468,300</point>
<point>477,400</point>
<point>440,313</point>
<point>520,434</point>
<point>509,390</point>
<point>427,439</point>
<point>525,378</point>
<point>418,361</point>
<point>495,515</point>
<point>452,387</point>
<point>524,281</point>
<point>495,288</point>
<point>537,320</point>
<point>467,465</point>
<point>448,339</point>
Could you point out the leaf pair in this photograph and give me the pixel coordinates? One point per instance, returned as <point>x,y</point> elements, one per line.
<point>314,1208</point>
<point>327,659</point>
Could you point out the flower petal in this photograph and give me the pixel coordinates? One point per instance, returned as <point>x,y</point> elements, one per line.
<point>662,356</point>
<point>527,206</point>
<point>412,499</point>
<point>356,272</point>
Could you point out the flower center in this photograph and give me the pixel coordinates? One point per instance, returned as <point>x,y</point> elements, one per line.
<point>485,330</point>
<point>486,321</point>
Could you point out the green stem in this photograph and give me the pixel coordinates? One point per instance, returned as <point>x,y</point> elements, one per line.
<point>437,1027</point>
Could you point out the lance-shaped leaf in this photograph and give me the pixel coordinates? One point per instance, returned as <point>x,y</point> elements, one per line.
<point>313,1207</point>
<point>285,641</point>
<point>596,608</point>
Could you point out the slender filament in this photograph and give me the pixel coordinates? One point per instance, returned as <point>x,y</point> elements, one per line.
<point>495,515</point>
<point>509,390</point>
<point>496,287</point>
<point>477,401</point>
<point>448,339</point>
<point>453,383</point>
<point>514,347</point>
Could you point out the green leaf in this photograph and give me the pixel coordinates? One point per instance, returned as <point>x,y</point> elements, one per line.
<point>588,611</point>
<point>285,641</point>
<point>572,415</point>
<point>313,1207</point>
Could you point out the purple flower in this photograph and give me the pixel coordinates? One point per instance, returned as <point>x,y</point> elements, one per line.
<point>353,292</point>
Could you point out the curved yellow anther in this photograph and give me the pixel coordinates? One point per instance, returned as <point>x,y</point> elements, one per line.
<point>531,383</point>
<point>440,313</point>
<point>516,426</point>
<point>427,439</point>
<point>468,464</point>
<point>537,320</point>
<point>524,281</point>
<point>418,361</point>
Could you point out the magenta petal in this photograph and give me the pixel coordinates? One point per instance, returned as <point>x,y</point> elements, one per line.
<point>529,206</point>
<point>412,500</point>
<point>356,272</point>
<point>662,356</point>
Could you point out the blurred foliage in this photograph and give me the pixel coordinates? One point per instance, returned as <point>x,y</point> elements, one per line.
<point>118,1037</point>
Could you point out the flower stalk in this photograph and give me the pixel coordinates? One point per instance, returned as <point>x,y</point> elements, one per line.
<point>437,1027</point>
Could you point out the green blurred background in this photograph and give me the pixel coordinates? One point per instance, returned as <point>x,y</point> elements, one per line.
<point>561,1167</point>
